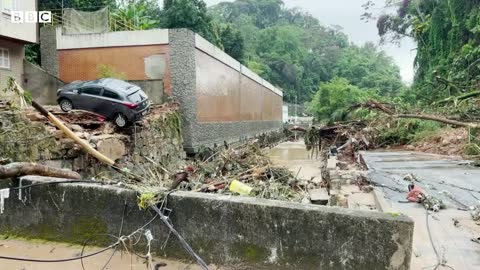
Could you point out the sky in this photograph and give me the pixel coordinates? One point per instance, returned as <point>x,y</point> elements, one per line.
<point>346,13</point>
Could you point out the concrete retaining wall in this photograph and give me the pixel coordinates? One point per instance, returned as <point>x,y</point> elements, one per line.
<point>154,90</point>
<point>239,232</point>
<point>41,84</point>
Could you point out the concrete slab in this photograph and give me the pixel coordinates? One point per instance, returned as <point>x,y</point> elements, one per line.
<point>319,196</point>
<point>445,178</point>
<point>296,158</point>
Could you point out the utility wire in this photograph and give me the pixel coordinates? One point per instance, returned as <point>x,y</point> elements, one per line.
<point>184,243</point>
<point>60,260</point>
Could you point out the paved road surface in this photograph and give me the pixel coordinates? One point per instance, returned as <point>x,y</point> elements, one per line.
<point>457,185</point>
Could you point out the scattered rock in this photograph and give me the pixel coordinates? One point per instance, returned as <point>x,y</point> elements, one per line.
<point>112,148</point>
<point>319,196</point>
<point>76,128</point>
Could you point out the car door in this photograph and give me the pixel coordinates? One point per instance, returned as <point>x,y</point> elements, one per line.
<point>89,99</point>
<point>111,103</point>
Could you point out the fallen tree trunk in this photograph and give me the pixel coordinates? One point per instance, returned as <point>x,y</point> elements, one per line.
<point>372,104</point>
<point>18,169</point>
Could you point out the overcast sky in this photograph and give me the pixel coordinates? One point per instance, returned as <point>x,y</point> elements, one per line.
<point>346,13</point>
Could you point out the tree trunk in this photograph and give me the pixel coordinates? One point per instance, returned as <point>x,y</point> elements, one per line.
<point>372,104</point>
<point>17,169</point>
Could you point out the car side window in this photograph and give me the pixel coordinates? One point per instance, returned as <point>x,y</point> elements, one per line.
<point>91,91</point>
<point>110,94</point>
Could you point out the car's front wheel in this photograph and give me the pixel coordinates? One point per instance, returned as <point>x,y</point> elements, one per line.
<point>120,120</point>
<point>66,105</point>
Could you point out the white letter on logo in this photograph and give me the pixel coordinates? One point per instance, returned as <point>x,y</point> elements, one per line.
<point>31,17</point>
<point>45,17</point>
<point>17,16</point>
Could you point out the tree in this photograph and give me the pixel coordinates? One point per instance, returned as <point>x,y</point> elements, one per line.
<point>334,98</point>
<point>367,67</point>
<point>191,14</point>
<point>232,41</point>
<point>295,52</point>
<point>447,34</point>
<point>142,14</point>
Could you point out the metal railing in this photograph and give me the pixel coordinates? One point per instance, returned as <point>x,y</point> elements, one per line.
<point>115,23</point>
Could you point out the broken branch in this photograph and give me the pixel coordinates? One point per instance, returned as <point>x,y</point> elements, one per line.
<point>18,169</point>
<point>372,104</point>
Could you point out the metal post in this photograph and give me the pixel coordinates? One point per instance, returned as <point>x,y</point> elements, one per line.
<point>296,113</point>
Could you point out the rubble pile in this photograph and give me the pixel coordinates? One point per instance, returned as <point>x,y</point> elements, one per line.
<point>29,136</point>
<point>448,141</point>
<point>347,137</point>
<point>246,166</point>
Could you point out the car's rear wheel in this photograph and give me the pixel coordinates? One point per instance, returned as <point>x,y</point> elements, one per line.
<point>66,105</point>
<point>120,120</point>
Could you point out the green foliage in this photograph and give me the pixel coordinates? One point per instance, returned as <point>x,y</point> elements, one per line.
<point>105,71</point>
<point>232,41</point>
<point>292,50</point>
<point>146,200</point>
<point>447,34</point>
<point>367,67</point>
<point>406,131</point>
<point>191,14</point>
<point>32,53</point>
<point>142,14</point>
<point>334,98</point>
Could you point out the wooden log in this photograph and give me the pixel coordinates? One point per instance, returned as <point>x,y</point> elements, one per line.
<point>18,169</point>
<point>372,104</point>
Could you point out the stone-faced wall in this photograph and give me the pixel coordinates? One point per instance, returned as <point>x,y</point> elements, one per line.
<point>48,49</point>
<point>221,100</point>
<point>42,85</point>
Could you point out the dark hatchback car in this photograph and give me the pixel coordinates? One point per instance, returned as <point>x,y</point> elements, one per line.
<point>116,100</point>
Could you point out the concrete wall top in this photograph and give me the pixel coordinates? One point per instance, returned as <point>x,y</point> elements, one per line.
<point>20,31</point>
<point>215,52</point>
<point>112,39</point>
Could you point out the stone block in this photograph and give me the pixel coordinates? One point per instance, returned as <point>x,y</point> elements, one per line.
<point>332,163</point>
<point>319,196</point>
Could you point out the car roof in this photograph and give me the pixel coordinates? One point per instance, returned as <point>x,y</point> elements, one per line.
<point>111,83</point>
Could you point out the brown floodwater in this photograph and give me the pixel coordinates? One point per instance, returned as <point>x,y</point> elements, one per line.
<point>49,250</point>
<point>295,157</point>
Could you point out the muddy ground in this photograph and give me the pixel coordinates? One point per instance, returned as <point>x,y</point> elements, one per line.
<point>48,250</point>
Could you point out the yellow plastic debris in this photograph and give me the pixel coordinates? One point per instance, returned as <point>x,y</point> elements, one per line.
<point>240,188</point>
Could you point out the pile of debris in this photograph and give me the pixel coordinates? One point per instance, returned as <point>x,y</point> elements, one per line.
<point>345,138</point>
<point>128,147</point>
<point>448,141</point>
<point>245,170</point>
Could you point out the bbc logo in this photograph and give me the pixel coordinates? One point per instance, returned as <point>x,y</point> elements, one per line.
<point>31,16</point>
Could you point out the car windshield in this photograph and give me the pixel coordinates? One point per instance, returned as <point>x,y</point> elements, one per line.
<point>137,96</point>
